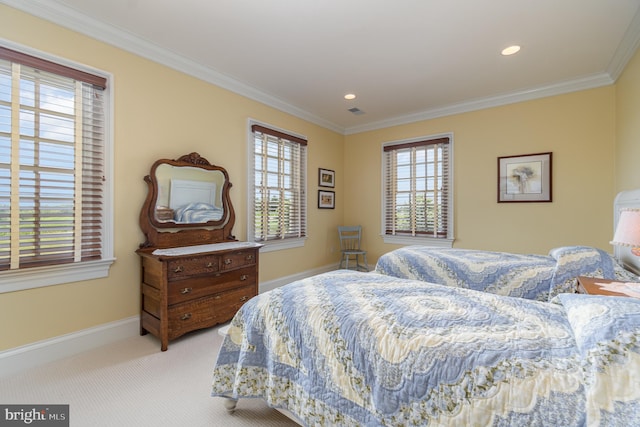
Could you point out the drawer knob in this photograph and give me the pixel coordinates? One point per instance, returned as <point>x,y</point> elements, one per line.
<point>244,298</point>
<point>249,257</point>
<point>184,291</point>
<point>185,316</point>
<point>178,269</point>
<point>244,277</point>
<point>217,297</point>
<point>228,261</point>
<point>209,264</point>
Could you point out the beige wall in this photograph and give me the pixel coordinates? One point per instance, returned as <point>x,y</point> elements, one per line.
<point>190,115</point>
<point>578,128</point>
<point>160,113</point>
<point>627,176</point>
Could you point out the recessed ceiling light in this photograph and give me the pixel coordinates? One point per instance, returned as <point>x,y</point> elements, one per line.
<point>510,50</point>
<point>349,96</point>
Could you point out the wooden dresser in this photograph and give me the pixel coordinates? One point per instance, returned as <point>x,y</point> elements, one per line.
<point>195,274</point>
<point>182,293</point>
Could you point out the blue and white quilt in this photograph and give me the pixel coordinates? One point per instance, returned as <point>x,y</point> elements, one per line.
<point>197,212</point>
<point>536,277</point>
<point>364,349</point>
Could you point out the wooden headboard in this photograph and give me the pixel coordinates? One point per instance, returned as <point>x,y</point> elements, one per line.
<point>626,199</point>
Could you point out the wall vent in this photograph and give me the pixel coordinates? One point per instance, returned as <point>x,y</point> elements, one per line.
<point>356,111</point>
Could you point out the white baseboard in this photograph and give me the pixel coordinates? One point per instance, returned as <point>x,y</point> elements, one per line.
<point>281,281</point>
<point>22,358</point>
<point>39,353</point>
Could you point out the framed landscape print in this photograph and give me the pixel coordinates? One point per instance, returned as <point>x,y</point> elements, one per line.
<point>524,178</point>
<point>326,178</point>
<point>326,199</point>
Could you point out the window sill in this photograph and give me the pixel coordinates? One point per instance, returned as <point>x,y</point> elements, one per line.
<point>278,245</point>
<point>38,277</point>
<point>424,241</point>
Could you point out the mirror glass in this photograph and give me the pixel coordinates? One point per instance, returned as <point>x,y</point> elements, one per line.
<point>188,192</point>
<point>188,195</point>
<point>187,203</point>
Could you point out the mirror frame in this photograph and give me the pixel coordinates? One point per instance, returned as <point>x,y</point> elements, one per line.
<point>164,234</point>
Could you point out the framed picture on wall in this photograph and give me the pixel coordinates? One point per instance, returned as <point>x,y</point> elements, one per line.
<point>524,178</point>
<point>326,199</point>
<point>326,178</point>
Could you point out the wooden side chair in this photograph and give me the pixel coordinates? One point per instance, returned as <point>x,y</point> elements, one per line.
<point>350,237</point>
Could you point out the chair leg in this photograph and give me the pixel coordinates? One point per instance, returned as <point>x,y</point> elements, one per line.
<point>357,264</point>
<point>366,264</point>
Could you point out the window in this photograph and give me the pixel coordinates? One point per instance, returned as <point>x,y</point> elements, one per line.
<point>278,209</point>
<point>418,192</point>
<point>54,226</point>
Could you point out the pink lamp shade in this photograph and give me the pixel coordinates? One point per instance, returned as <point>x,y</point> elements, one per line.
<point>628,230</point>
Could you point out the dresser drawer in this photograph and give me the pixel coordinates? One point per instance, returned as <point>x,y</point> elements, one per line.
<point>207,311</point>
<point>185,267</point>
<point>191,315</point>
<point>197,287</point>
<point>230,302</point>
<point>237,259</point>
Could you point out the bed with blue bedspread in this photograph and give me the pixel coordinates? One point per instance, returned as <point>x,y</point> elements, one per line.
<point>363,349</point>
<point>536,277</point>
<point>197,212</point>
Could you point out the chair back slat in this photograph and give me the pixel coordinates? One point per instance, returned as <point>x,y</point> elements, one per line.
<point>350,237</point>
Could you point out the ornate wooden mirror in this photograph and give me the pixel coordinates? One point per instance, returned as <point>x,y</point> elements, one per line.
<point>187,203</point>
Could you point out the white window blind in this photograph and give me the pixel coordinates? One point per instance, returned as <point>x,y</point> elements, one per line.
<point>279,197</point>
<point>52,163</point>
<point>417,188</point>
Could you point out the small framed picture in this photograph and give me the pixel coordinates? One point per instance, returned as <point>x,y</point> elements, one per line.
<point>326,199</point>
<point>524,178</point>
<point>326,178</point>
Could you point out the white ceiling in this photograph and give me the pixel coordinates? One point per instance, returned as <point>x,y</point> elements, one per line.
<point>405,60</point>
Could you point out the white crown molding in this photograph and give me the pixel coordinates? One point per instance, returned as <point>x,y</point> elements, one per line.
<point>73,20</point>
<point>626,49</point>
<point>583,83</point>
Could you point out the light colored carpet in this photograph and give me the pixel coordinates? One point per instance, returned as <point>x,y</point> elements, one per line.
<point>133,383</point>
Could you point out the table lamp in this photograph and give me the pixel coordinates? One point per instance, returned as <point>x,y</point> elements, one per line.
<point>628,230</point>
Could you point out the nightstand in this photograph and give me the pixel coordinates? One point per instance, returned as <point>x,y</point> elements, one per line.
<point>589,286</point>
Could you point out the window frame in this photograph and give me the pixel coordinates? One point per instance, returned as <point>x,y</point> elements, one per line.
<point>285,243</point>
<point>56,274</point>
<point>404,239</point>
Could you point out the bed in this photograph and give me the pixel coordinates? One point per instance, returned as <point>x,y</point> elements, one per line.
<point>194,201</point>
<point>536,277</point>
<point>348,348</point>
<point>353,349</point>
<point>197,212</point>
